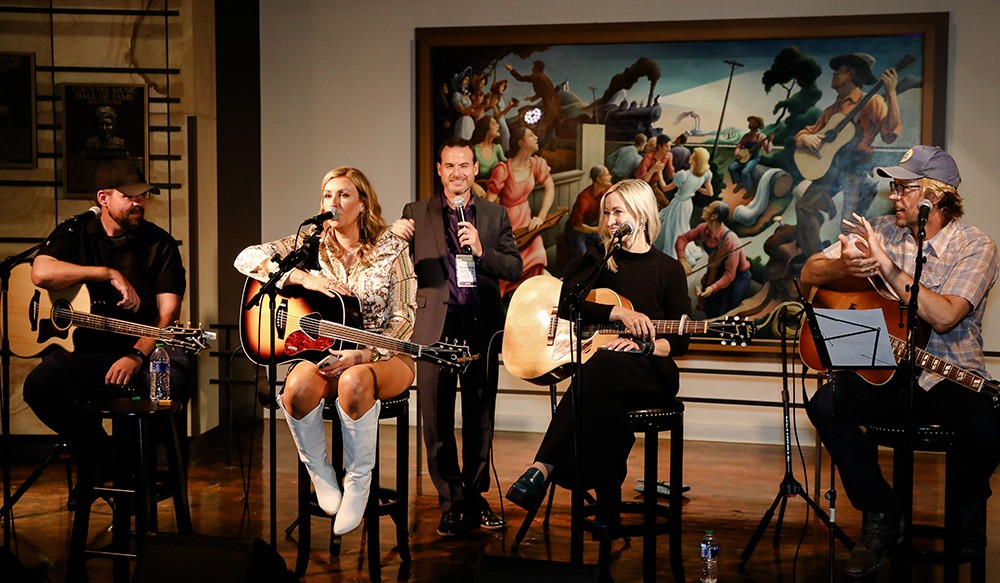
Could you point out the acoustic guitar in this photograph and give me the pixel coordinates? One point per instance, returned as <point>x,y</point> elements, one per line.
<point>838,132</point>
<point>537,342</point>
<point>744,155</point>
<point>40,318</point>
<point>859,294</point>
<point>307,323</point>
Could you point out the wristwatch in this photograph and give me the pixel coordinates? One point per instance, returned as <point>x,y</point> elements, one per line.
<point>136,352</point>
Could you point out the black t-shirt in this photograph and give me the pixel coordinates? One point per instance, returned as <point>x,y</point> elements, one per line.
<point>653,281</point>
<point>146,256</point>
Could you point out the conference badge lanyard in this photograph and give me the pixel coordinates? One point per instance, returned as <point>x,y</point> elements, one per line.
<point>465,270</point>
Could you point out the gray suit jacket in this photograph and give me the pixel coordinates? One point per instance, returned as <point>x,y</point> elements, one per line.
<point>500,260</point>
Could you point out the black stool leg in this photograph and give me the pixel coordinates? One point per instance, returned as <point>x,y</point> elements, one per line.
<point>76,569</point>
<point>526,523</point>
<point>676,498</point>
<point>650,459</point>
<point>372,521</point>
<point>400,515</point>
<point>304,520</point>
<point>178,473</point>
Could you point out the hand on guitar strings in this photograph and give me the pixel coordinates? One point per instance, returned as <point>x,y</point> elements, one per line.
<point>637,324</point>
<point>130,299</point>
<point>321,284</point>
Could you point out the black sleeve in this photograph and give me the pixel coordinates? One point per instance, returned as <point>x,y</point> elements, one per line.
<point>676,303</point>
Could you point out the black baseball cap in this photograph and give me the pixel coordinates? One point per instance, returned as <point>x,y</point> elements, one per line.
<point>124,176</point>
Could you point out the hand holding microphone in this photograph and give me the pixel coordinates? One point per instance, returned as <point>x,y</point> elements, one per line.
<point>459,203</point>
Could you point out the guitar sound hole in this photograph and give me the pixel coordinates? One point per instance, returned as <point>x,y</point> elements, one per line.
<point>62,314</point>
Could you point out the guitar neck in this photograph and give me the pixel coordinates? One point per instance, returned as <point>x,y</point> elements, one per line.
<point>329,329</point>
<point>106,324</point>
<point>662,327</point>
<point>955,373</point>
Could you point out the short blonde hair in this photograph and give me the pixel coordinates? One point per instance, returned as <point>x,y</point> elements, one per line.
<point>640,201</point>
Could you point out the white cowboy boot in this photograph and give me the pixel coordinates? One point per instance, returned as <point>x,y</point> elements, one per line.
<point>310,439</point>
<point>360,444</point>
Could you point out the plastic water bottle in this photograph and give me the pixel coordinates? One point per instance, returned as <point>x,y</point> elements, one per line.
<point>709,559</point>
<point>159,374</point>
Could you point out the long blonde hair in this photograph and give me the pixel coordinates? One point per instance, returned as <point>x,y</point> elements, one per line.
<point>371,224</point>
<point>640,201</point>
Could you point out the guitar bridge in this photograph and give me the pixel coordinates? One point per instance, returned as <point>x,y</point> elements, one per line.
<point>553,325</point>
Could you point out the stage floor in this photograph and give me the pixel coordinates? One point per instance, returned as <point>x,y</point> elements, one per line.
<point>731,487</point>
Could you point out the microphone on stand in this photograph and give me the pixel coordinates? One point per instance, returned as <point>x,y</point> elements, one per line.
<point>94,211</point>
<point>321,218</point>
<point>924,207</point>
<point>460,209</point>
<point>622,232</point>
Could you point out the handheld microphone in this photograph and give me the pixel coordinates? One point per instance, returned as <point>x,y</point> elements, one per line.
<point>924,207</point>
<point>460,209</point>
<point>321,218</point>
<point>94,211</point>
<point>623,231</point>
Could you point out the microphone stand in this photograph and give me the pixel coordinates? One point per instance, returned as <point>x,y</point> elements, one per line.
<point>270,288</point>
<point>912,372</point>
<point>6,268</point>
<point>574,302</point>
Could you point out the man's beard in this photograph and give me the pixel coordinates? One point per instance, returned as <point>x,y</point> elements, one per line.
<point>131,219</point>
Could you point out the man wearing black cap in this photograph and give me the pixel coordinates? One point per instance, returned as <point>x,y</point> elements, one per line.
<point>851,164</point>
<point>133,272</point>
<point>961,267</point>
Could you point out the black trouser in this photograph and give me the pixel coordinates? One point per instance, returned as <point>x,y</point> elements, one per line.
<point>613,384</point>
<point>459,488</point>
<point>57,386</point>
<point>969,414</point>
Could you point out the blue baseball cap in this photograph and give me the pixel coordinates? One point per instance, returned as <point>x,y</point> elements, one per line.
<point>924,162</point>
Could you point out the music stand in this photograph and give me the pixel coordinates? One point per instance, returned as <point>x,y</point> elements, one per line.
<point>846,340</point>
<point>849,340</point>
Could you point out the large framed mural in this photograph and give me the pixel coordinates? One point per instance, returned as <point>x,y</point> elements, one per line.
<point>777,124</point>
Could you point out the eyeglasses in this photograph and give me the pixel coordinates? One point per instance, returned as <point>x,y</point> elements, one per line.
<point>900,189</point>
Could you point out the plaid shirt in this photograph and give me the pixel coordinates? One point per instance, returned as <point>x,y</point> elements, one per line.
<point>961,261</point>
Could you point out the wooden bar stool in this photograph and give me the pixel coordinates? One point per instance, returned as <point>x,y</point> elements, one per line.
<point>931,438</point>
<point>657,518</point>
<point>134,485</point>
<point>381,502</point>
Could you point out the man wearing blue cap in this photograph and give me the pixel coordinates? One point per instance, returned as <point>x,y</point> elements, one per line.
<point>961,267</point>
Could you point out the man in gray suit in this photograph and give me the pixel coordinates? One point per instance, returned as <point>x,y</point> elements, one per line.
<point>458,264</point>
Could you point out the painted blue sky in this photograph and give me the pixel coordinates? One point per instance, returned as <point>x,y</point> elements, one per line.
<point>684,65</point>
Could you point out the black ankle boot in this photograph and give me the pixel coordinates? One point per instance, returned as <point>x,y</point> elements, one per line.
<point>528,490</point>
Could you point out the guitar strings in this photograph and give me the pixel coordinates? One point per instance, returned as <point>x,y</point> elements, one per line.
<point>109,324</point>
<point>326,329</point>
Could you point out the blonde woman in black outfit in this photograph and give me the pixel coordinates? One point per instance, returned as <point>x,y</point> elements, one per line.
<point>633,371</point>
